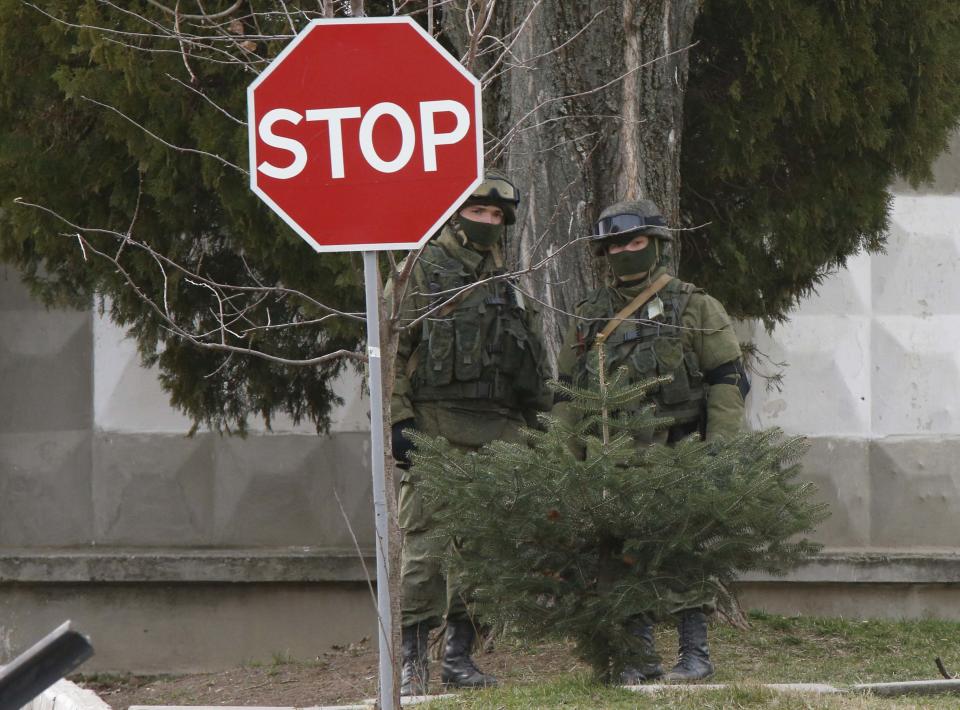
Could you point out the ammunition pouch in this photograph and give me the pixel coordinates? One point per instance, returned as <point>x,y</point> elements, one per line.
<point>479,349</point>
<point>647,349</point>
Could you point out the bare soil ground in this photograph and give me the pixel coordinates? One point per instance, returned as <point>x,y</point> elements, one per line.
<point>338,677</point>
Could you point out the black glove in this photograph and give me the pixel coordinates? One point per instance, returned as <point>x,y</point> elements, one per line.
<point>400,445</point>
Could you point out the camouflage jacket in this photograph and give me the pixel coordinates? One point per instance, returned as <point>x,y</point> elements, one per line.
<point>681,332</point>
<point>481,352</point>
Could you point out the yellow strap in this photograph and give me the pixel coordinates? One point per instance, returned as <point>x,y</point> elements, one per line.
<point>633,306</point>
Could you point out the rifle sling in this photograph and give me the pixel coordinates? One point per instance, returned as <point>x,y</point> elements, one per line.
<point>633,306</point>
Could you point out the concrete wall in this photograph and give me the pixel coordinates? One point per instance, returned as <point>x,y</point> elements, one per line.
<point>110,511</point>
<point>92,454</point>
<point>873,380</point>
<point>179,553</point>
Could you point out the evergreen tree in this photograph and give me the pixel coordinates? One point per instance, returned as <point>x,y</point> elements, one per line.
<point>81,85</point>
<point>799,115</point>
<point>556,543</point>
<point>796,117</point>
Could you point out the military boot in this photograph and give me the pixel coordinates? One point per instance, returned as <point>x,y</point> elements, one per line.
<point>459,669</point>
<point>694,658</point>
<point>647,666</point>
<point>415,673</point>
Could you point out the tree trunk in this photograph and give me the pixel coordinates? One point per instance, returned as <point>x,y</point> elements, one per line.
<point>389,342</point>
<point>587,110</point>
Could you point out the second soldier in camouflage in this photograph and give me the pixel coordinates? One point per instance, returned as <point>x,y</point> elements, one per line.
<point>653,325</point>
<point>473,371</point>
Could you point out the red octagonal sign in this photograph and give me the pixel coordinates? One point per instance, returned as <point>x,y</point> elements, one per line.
<point>365,134</point>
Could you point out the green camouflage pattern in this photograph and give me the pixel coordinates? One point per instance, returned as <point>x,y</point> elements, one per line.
<point>427,587</point>
<point>694,335</point>
<point>702,340</point>
<point>473,373</point>
<point>483,355</point>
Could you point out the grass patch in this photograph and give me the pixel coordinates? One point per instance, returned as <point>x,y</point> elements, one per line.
<point>573,695</point>
<point>780,649</point>
<point>776,649</point>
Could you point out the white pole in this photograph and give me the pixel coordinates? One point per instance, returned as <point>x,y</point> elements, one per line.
<point>371,277</point>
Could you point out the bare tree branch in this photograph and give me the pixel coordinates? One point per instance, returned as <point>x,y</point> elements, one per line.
<point>229,11</point>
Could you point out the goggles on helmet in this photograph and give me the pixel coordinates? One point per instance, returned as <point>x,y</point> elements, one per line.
<point>497,189</point>
<point>617,223</point>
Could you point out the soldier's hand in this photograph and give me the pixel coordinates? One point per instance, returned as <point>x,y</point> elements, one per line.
<point>400,445</point>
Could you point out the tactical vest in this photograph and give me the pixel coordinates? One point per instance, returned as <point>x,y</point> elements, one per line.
<point>481,348</point>
<point>652,347</point>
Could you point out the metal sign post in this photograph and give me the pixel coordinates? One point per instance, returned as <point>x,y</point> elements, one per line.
<point>371,277</point>
<point>337,115</point>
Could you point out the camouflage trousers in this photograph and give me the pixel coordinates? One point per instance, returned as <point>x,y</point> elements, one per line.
<point>430,590</point>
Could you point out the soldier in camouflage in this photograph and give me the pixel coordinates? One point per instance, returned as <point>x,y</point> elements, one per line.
<point>654,325</point>
<point>473,371</point>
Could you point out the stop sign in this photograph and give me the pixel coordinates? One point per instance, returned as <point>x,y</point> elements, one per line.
<point>365,134</point>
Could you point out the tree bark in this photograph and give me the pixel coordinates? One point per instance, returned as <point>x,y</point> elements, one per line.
<point>394,535</point>
<point>587,110</point>
<point>389,342</point>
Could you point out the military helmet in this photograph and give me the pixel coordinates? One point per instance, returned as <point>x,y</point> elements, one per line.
<point>622,221</point>
<point>496,189</point>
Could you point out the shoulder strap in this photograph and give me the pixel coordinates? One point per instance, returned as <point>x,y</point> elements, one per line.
<point>413,362</point>
<point>685,290</point>
<point>632,307</point>
<point>436,253</point>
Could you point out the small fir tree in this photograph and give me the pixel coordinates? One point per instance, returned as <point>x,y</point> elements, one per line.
<point>581,530</point>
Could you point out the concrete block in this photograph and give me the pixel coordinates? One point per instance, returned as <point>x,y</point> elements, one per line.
<point>153,489</point>
<point>14,295</point>
<point>185,628</point>
<point>282,490</point>
<point>840,469</point>
<point>45,480</point>
<point>845,292</point>
<point>826,381</point>
<point>863,601</point>
<point>45,365</point>
<point>919,274</point>
<point>169,489</point>
<point>100,564</point>
<point>353,481</point>
<point>916,365</point>
<point>354,414</point>
<point>915,492</point>
<point>127,396</point>
<point>854,567</point>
